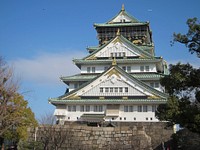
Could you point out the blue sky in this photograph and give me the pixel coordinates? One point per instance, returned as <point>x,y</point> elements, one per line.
<point>39,38</point>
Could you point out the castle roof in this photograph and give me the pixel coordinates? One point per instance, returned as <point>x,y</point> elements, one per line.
<point>118,75</point>
<point>123,18</point>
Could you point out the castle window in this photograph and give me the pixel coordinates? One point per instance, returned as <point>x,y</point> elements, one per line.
<point>82,108</point>
<point>145,108</point>
<point>76,85</point>
<point>101,90</point>
<point>111,54</point>
<point>113,89</point>
<point>125,108</point>
<point>128,68</point>
<point>147,68</point>
<point>130,108</point>
<point>126,89</point>
<point>93,69</point>
<point>154,84</point>
<point>88,69</point>
<point>87,108</point>
<point>72,108</point>
<point>98,108</point>
<point>69,108</point>
<point>142,68</point>
<point>139,108</point>
<point>153,108</point>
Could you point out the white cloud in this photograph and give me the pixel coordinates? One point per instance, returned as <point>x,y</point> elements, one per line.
<point>47,67</point>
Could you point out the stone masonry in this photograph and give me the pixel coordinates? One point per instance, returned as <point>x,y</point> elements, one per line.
<point>133,136</point>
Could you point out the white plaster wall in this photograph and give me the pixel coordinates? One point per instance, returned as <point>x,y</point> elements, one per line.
<point>118,18</point>
<point>148,116</point>
<point>74,116</point>
<point>134,67</point>
<point>71,87</point>
<point>98,68</point>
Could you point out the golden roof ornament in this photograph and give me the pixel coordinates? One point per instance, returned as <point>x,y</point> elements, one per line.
<point>123,7</point>
<point>114,62</point>
<point>118,32</point>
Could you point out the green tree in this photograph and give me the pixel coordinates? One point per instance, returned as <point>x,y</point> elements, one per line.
<point>192,38</point>
<point>15,115</point>
<point>183,85</point>
<point>183,106</point>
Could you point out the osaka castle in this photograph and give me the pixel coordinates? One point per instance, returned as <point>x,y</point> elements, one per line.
<point>119,79</point>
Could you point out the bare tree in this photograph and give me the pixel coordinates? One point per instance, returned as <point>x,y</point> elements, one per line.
<point>52,136</point>
<point>14,112</point>
<point>7,94</point>
<point>47,119</point>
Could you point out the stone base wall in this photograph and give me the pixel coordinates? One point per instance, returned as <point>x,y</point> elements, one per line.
<point>133,136</point>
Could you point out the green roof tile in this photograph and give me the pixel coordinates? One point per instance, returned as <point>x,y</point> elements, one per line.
<point>88,77</point>
<point>119,61</point>
<point>107,101</point>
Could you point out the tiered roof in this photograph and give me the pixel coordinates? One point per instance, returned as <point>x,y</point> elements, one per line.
<point>75,96</point>
<point>137,54</point>
<point>122,16</point>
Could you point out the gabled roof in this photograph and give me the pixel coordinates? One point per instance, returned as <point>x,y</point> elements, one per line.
<point>88,77</point>
<point>147,48</point>
<point>107,101</point>
<point>123,18</point>
<point>118,72</point>
<point>119,38</point>
<point>123,14</point>
<point>80,62</point>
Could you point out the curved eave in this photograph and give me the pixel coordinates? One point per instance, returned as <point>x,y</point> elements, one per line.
<point>78,78</point>
<point>120,24</point>
<point>142,76</point>
<point>108,101</point>
<point>119,61</point>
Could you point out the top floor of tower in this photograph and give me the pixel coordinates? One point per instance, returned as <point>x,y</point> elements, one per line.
<point>137,32</point>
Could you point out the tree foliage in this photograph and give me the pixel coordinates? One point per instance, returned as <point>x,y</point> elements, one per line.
<point>183,106</point>
<point>15,115</point>
<point>192,38</point>
<point>183,85</point>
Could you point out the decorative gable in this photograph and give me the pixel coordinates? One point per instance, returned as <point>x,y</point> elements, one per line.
<point>119,47</point>
<point>114,86</point>
<point>114,82</point>
<point>123,17</point>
